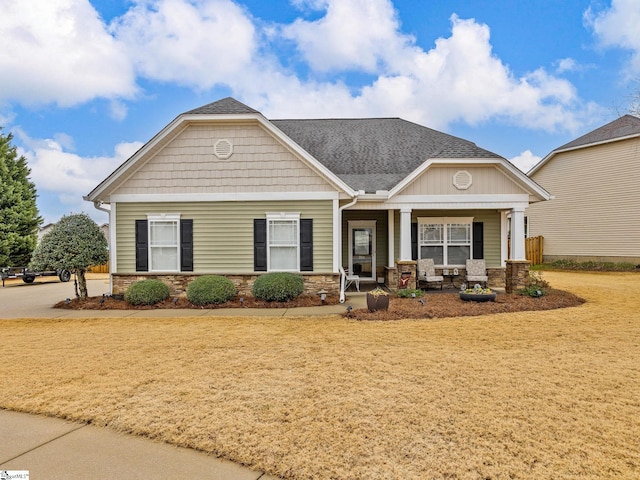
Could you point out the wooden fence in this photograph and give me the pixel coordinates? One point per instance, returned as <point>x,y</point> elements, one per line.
<point>533,249</point>
<point>104,268</point>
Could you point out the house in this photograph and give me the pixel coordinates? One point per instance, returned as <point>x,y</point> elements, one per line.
<point>595,180</point>
<point>224,190</point>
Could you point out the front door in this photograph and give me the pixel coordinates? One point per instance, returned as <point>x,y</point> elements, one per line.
<point>362,249</point>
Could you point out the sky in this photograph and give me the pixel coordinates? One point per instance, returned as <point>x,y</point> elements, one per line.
<point>85,83</point>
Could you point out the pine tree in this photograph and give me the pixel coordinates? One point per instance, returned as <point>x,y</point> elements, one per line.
<point>19,218</point>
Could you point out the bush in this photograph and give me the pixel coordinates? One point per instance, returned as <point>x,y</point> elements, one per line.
<point>536,286</point>
<point>409,292</point>
<point>210,289</point>
<point>146,292</point>
<point>278,287</point>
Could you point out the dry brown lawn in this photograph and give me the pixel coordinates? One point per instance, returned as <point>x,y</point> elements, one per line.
<point>531,395</point>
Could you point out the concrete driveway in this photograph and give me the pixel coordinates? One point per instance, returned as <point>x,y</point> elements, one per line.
<point>22,300</point>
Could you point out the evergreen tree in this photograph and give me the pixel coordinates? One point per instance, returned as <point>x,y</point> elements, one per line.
<point>19,218</point>
<point>75,243</point>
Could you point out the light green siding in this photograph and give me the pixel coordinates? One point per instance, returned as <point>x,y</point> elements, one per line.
<point>223,232</point>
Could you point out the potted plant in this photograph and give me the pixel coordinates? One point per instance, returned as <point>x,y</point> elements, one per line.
<point>377,299</point>
<point>477,294</point>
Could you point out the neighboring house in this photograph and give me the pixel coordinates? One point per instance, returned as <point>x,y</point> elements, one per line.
<point>595,180</point>
<point>223,190</point>
<point>42,231</point>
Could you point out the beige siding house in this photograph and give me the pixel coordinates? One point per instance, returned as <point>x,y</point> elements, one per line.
<point>224,190</point>
<point>595,180</point>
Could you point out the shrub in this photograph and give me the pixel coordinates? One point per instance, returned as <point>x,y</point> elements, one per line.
<point>146,292</point>
<point>409,292</point>
<point>536,286</point>
<point>210,289</point>
<point>278,287</point>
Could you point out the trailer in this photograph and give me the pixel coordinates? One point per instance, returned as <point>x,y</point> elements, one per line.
<point>29,276</point>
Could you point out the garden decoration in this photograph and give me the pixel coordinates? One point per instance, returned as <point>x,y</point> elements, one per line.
<point>377,299</point>
<point>477,294</point>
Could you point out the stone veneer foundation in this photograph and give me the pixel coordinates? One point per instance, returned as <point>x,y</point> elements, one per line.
<point>178,283</point>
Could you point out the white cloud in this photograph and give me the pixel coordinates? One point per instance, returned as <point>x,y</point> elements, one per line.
<point>525,161</point>
<point>618,26</point>
<point>459,79</point>
<point>69,176</point>
<point>196,43</point>
<point>354,34</point>
<point>59,52</point>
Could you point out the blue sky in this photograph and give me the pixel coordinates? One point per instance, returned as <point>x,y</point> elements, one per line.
<point>84,83</point>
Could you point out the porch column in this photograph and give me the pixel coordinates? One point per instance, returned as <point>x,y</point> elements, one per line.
<point>405,234</point>
<point>517,234</point>
<point>391,239</point>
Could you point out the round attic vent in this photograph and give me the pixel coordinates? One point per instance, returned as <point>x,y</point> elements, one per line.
<point>223,149</point>
<point>462,180</point>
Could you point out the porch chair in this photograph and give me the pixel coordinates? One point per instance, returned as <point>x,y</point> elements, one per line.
<point>349,279</point>
<point>427,273</point>
<point>476,272</point>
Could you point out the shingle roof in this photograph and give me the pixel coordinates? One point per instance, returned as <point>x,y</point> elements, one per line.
<point>622,127</point>
<point>368,154</point>
<point>375,153</point>
<point>228,106</point>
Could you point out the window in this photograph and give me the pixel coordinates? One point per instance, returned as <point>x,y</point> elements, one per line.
<point>447,240</point>
<point>283,242</point>
<point>164,244</point>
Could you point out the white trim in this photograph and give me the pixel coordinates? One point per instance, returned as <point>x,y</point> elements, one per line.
<point>445,222</point>
<point>337,241</point>
<point>113,258</point>
<point>501,163</point>
<point>288,216</point>
<point>391,240</point>
<point>223,197</point>
<point>504,237</point>
<point>164,217</point>
<point>373,224</point>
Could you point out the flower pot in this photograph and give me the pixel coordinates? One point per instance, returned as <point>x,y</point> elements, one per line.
<point>377,302</point>
<point>478,297</point>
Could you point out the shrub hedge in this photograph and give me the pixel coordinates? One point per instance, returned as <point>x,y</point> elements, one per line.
<point>278,286</point>
<point>146,292</point>
<point>210,289</point>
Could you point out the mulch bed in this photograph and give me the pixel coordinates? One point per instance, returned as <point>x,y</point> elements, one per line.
<point>435,305</point>
<point>449,305</point>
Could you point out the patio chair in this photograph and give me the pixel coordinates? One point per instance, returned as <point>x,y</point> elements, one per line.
<point>427,273</point>
<point>476,272</point>
<point>350,278</point>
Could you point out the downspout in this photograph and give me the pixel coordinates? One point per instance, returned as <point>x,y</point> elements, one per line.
<point>343,277</point>
<point>98,205</point>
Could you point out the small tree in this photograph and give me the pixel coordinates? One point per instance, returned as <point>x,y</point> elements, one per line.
<point>75,243</point>
<point>19,217</point>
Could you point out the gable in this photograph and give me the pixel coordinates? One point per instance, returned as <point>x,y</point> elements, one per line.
<point>485,180</point>
<point>188,164</point>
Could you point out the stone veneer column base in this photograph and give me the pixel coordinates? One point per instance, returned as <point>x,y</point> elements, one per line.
<point>405,266</point>
<point>516,275</point>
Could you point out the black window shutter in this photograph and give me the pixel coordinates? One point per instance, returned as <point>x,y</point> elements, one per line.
<point>478,240</point>
<point>306,245</point>
<point>186,245</point>
<point>260,244</point>
<point>142,246</point>
<point>414,241</point>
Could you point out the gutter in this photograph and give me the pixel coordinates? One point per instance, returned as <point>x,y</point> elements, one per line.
<point>340,210</point>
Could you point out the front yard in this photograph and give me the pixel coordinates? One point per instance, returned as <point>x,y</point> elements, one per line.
<point>539,394</point>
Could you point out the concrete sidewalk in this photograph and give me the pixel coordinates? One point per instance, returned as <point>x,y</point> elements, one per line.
<point>52,449</point>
